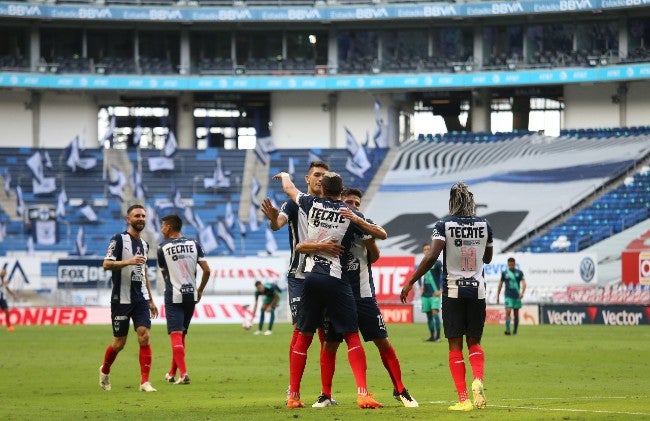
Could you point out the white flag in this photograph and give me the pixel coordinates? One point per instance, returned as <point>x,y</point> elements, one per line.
<point>80,243</point>
<point>380,137</point>
<point>7,183</point>
<point>153,222</point>
<point>230,216</point>
<point>46,186</point>
<point>264,147</point>
<point>74,158</point>
<point>35,164</point>
<point>190,217</point>
<point>242,229</point>
<point>47,162</point>
<point>170,145</point>
<point>271,244</point>
<point>252,218</point>
<point>3,231</point>
<point>177,200</point>
<point>20,204</point>
<point>357,163</point>
<point>255,189</point>
<point>44,232</point>
<point>110,131</point>
<point>116,183</point>
<point>61,202</point>
<point>225,236</point>
<point>137,135</point>
<point>313,157</point>
<point>136,185</point>
<point>207,239</point>
<point>218,179</point>
<point>292,168</point>
<point>30,246</point>
<point>160,163</point>
<point>87,211</point>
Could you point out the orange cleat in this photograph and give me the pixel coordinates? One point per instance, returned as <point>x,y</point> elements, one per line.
<point>368,402</point>
<point>295,403</point>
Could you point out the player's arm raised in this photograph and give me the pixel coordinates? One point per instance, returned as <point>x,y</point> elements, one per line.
<point>289,188</point>
<point>276,219</point>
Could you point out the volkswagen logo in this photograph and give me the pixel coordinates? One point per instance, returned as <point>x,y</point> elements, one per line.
<point>587,269</point>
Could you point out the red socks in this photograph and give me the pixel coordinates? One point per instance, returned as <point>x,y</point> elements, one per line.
<point>297,363</point>
<point>389,358</point>
<point>327,368</point>
<point>294,338</point>
<point>477,361</point>
<point>145,363</point>
<point>109,357</point>
<point>178,353</point>
<point>357,358</point>
<point>457,368</point>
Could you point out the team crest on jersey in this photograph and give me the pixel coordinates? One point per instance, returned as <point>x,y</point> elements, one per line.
<point>458,242</point>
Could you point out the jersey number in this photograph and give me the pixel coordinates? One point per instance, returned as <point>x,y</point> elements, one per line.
<point>468,259</point>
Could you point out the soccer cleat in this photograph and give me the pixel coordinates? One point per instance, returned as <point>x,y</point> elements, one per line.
<point>169,378</point>
<point>104,379</point>
<point>507,332</point>
<point>406,398</point>
<point>295,403</point>
<point>462,406</point>
<point>183,380</point>
<point>257,332</point>
<point>479,394</point>
<point>323,401</point>
<point>368,402</point>
<point>10,329</point>
<point>147,387</point>
<point>430,339</point>
<point>268,332</point>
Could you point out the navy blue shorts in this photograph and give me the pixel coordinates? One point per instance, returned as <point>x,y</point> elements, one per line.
<point>122,313</point>
<point>3,304</point>
<point>296,287</point>
<point>327,293</point>
<point>179,316</point>
<point>371,324</point>
<point>463,317</point>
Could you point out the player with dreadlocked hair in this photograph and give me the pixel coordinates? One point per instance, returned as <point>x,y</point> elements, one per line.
<point>467,242</point>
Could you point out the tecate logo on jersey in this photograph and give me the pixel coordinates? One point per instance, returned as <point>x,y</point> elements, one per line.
<point>566,317</point>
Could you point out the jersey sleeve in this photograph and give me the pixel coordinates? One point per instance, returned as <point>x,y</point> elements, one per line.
<point>289,210</point>
<point>305,201</point>
<point>489,239</point>
<point>439,231</point>
<point>200,255</point>
<point>114,251</point>
<point>162,264</point>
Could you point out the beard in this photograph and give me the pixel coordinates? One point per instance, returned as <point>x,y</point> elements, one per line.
<point>138,226</point>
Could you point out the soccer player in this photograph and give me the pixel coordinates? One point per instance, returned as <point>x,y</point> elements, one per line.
<point>271,293</point>
<point>127,259</point>
<point>430,294</point>
<point>325,288</point>
<point>362,254</point>
<point>515,283</point>
<point>289,213</point>
<point>178,257</point>
<point>4,290</point>
<point>467,243</point>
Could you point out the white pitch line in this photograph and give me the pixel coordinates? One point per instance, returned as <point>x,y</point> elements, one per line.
<point>535,408</point>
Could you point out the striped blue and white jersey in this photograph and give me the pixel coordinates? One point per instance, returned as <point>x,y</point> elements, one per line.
<point>325,223</point>
<point>128,282</point>
<point>466,239</point>
<point>178,257</point>
<point>358,269</point>
<point>297,222</point>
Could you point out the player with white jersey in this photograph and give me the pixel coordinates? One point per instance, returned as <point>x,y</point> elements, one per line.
<point>178,257</point>
<point>131,296</point>
<point>467,243</point>
<point>358,271</point>
<point>326,288</point>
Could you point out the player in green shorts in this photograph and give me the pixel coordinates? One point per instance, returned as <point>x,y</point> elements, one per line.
<point>515,284</point>
<point>430,294</point>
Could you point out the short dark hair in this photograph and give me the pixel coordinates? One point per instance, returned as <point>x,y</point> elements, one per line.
<point>511,259</point>
<point>332,184</point>
<point>132,207</point>
<point>258,283</point>
<point>174,221</point>
<point>352,192</point>
<point>318,164</point>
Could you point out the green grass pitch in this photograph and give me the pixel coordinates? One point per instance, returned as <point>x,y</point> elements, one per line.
<point>545,372</point>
